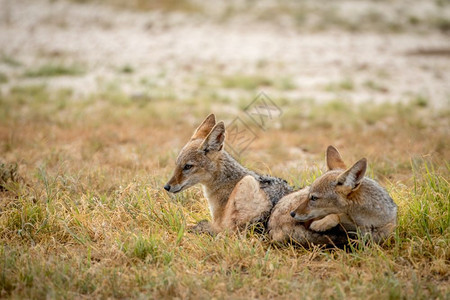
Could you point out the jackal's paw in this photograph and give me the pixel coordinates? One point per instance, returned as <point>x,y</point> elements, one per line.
<point>321,225</point>
<point>201,227</point>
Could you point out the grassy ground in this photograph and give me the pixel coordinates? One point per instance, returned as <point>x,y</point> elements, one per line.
<point>95,109</point>
<point>83,212</point>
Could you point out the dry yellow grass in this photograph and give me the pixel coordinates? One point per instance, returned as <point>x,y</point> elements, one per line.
<point>88,216</point>
<point>82,210</point>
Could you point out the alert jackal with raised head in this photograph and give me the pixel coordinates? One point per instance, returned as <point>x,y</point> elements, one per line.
<point>236,196</point>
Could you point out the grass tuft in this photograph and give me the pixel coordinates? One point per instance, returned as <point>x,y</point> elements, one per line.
<point>3,78</point>
<point>53,70</point>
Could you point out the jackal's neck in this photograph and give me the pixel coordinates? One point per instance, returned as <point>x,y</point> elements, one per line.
<point>231,170</point>
<point>217,190</point>
<point>227,174</point>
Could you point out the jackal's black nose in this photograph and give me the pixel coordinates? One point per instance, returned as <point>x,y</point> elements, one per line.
<point>167,187</point>
<point>293,214</point>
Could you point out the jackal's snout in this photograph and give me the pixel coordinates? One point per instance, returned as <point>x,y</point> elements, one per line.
<point>173,188</point>
<point>301,211</point>
<point>167,187</point>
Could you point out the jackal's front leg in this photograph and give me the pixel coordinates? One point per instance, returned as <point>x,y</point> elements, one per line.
<point>203,226</point>
<point>247,204</point>
<point>325,223</point>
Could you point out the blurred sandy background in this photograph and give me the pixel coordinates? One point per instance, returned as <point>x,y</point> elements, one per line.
<point>228,50</point>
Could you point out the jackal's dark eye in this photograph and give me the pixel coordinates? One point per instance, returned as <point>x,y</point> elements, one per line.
<point>339,183</point>
<point>187,167</point>
<point>313,198</point>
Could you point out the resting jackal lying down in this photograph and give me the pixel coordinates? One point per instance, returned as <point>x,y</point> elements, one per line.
<point>236,195</point>
<point>348,198</point>
<point>283,228</point>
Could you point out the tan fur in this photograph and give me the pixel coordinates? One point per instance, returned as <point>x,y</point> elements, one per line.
<point>281,225</point>
<point>246,204</point>
<point>334,159</point>
<point>204,129</point>
<point>350,199</point>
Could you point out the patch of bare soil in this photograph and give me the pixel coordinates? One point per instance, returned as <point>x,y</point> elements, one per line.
<point>179,51</point>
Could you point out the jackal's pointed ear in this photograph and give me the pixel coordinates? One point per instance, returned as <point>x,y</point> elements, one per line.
<point>353,176</point>
<point>214,140</point>
<point>204,128</point>
<point>334,159</point>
